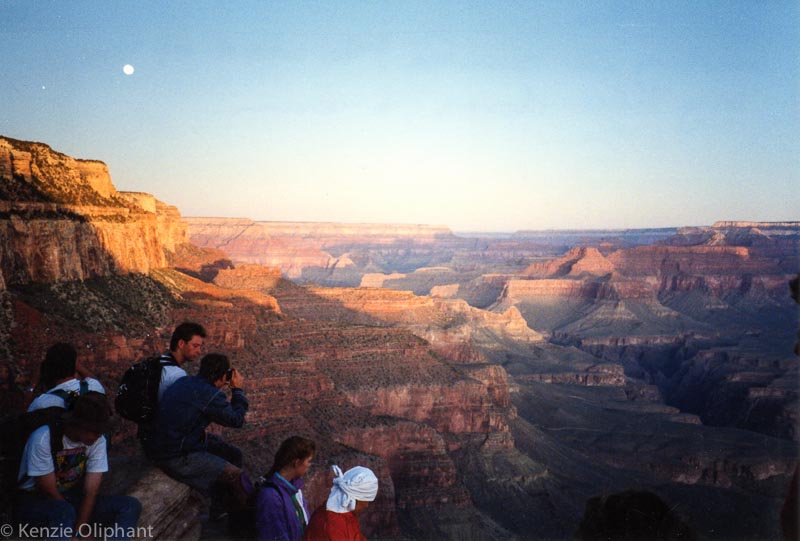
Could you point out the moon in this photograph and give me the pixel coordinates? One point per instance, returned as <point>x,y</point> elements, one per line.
<point>127,69</point>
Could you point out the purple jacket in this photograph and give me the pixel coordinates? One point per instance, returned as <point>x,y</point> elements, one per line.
<point>276,515</point>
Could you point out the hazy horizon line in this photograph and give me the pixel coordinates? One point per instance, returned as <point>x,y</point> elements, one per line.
<point>790,223</point>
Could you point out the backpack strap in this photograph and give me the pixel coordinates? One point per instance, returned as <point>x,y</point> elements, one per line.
<point>61,393</point>
<point>56,429</point>
<point>56,438</point>
<point>67,395</point>
<point>166,359</point>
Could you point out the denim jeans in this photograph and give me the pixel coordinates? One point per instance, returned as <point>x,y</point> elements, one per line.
<point>35,510</point>
<point>201,469</point>
<point>221,448</point>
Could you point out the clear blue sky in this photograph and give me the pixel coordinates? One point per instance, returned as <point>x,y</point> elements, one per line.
<point>477,115</point>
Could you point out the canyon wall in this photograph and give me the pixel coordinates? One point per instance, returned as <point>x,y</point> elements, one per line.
<point>314,250</point>
<point>718,276</point>
<point>247,241</point>
<point>62,219</point>
<point>480,424</point>
<point>329,234</point>
<point>86,264</point>
<point>694,316</point>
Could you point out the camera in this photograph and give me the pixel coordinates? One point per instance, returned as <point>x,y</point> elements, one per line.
<point>228,374</point>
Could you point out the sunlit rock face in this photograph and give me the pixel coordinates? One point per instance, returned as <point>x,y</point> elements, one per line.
<point>317,250</point>
<point>492,385</point>
<point>576,262</point>
<point>53,175</point>
<point>247,241</point>
<point>660,260</point>
<point>62,219</point>
<point>679,284</point>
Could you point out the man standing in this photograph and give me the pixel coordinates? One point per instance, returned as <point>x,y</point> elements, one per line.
<point>179,443</point>
<point>61,471</point>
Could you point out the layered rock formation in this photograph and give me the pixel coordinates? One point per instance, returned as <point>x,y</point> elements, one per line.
<point>480,424</point>
<point>329,235</point>
<point>295,247</point>
<point>671,260</point>
<point>666,281</point>
<point>647,301</point>
<point>576,262</point>
<point>659,311</point>
<point>246,241</point>
<point>62,219</point>
<point>356,381</point>
<point>449,325</point>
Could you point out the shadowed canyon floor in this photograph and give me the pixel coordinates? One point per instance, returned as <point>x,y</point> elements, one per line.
<point>494,383</point>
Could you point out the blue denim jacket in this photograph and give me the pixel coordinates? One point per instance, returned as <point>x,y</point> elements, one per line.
<point>185,411</point>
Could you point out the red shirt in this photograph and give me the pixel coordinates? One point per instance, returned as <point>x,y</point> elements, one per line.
<point>329,526</point>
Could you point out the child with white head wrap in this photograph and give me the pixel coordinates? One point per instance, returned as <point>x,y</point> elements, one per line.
<point>350,494</point>
<point>358,483</point>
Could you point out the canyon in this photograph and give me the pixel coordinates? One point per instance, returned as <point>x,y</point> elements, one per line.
<point>494,383</point>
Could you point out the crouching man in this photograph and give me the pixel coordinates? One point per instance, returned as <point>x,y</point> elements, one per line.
<point>180,445</point>
<point>60,474</point>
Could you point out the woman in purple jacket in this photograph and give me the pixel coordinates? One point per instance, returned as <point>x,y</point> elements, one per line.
<point>281,512</point>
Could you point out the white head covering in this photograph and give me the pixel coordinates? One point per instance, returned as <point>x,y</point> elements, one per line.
<point>357,483</point>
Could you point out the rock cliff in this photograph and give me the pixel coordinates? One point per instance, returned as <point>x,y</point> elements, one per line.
<point>670,260</point>
<point>442,322</point>
<point>317,251</point>
<point>334,234</point>
<point>246,241</point>
<point>62,219</point>
<point>575,263</point>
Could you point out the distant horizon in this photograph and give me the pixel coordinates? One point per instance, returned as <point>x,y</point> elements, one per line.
<point>462,232</point>
<point>494,117</point>
<point>453,230</point>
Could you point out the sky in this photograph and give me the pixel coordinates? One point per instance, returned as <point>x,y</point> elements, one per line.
<point>481,116</point>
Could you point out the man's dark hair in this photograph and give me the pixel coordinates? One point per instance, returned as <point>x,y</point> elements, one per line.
<point>213,366</point>
<point>185,331</point>
<point>59,363</point>
<point>90,411</point>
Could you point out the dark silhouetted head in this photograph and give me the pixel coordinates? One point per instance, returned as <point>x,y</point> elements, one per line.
<point>59,363</point>
<point>631,515</point>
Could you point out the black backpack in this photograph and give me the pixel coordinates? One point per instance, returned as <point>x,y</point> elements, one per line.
<point>137,395</point>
